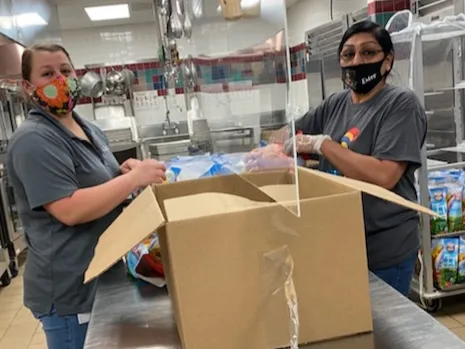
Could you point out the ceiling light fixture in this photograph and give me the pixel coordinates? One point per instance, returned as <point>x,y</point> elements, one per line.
<point>245,4</point>
<point>29,19</point>
<point>23,20</point>
<point>105,13</point>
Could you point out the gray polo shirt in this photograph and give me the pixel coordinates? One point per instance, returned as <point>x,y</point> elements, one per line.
<point>390,126</point>
<point>45,163</point>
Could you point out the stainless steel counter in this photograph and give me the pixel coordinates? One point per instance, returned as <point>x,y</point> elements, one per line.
<point>131,315</point>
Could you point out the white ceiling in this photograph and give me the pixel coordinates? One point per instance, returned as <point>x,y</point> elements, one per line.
<point>70,14</point>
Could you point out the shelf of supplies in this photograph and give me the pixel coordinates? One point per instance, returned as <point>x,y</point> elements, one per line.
<point>448,235</point>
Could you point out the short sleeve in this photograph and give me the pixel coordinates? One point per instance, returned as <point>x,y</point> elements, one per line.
<point>44,167</point>
<point>311,123</point>
<point>401,135</point>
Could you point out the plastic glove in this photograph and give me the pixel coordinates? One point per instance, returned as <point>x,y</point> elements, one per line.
<point>271,157</point>
<point>306,144</point>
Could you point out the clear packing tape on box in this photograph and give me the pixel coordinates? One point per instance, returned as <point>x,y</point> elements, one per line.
<point>278,269</point>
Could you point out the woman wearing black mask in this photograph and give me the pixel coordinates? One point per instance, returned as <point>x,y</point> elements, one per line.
<point>372,132</point>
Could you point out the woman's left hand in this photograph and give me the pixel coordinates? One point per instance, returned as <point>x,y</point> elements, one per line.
<point>306,144</point>
<point>129,165</point>
<point>270,157</point>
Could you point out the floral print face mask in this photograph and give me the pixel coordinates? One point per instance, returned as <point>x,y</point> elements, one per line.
<point>59,96</point>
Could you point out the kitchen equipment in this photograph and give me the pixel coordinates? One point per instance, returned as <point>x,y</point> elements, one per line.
<point>164,8</point>
<point>188,10</point>
<point>197,8</point>
<point>233,139</point>
<point>193,70</point>
<point>128,76</point>
<point>10,59</point>
<point>175,21</point>
<point>121,132</point>
<point>201,136</point>
<point>231,9</point>
<point>180,9</point>
<point>187,25</point>
<point>92,85</point>
<point>13,85</point>
<point>170,128</point>
<point>115,83</point>
<point>150,134</point>
<point>190,73</point>
<point>115,111</point>
<point>12,240</point>
<point>168,150</point>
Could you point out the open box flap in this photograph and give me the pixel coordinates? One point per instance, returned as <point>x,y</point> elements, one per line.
<point>373,190</point>
<point>134,224</point>
<point>207,204</point>
<point>213,203</point>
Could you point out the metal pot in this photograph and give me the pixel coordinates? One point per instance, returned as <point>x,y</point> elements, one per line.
<point>115,83</point>
<point>128,76</point>
<point>92,85</point>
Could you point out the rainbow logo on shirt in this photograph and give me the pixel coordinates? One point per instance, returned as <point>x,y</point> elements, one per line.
<point>349,137</point>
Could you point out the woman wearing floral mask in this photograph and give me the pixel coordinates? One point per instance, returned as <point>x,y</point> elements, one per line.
<point>371,132</point>
<point>69,188</point>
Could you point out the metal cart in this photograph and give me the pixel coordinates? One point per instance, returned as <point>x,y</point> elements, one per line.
<point>8,249</point>
<point>431,61</point>
<point>15,240</point>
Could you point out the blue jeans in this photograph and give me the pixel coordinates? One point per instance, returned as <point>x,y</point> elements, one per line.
<point>399,276</point>
<point>62,332</point>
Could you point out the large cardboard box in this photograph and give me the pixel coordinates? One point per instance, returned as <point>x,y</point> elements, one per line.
<point>215,234</point>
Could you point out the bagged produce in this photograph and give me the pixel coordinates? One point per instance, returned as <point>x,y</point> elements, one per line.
<point>454,175</point>
<point>201,166</point>
<point>461,268</point>
<point>454,207</point>
<point>438,204</point>
<point>445,255</point>
<point>191,168</point>
<point>461,181</point>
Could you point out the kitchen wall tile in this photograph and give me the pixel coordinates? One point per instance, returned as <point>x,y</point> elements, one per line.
<point>264,76</point>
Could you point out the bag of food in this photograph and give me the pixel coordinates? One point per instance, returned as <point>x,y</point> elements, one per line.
<point>438,203</point>
<point>445,257</point>
<point>461,273</point>
<point>454,207</point>
<point>144,262</point>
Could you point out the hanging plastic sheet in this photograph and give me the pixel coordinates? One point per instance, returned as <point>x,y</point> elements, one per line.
<point>237,89</point>
<point>241,123</point>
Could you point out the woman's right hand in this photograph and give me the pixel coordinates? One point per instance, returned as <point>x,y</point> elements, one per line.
<point>148,172</point>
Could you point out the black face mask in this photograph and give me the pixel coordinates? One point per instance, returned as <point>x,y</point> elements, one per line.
<point>363,78</point>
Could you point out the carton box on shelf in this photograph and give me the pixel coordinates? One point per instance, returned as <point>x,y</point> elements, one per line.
<point>214,234</point>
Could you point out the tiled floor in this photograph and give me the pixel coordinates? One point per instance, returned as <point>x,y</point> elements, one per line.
<point>19,329</point>
<point>452,315</point>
